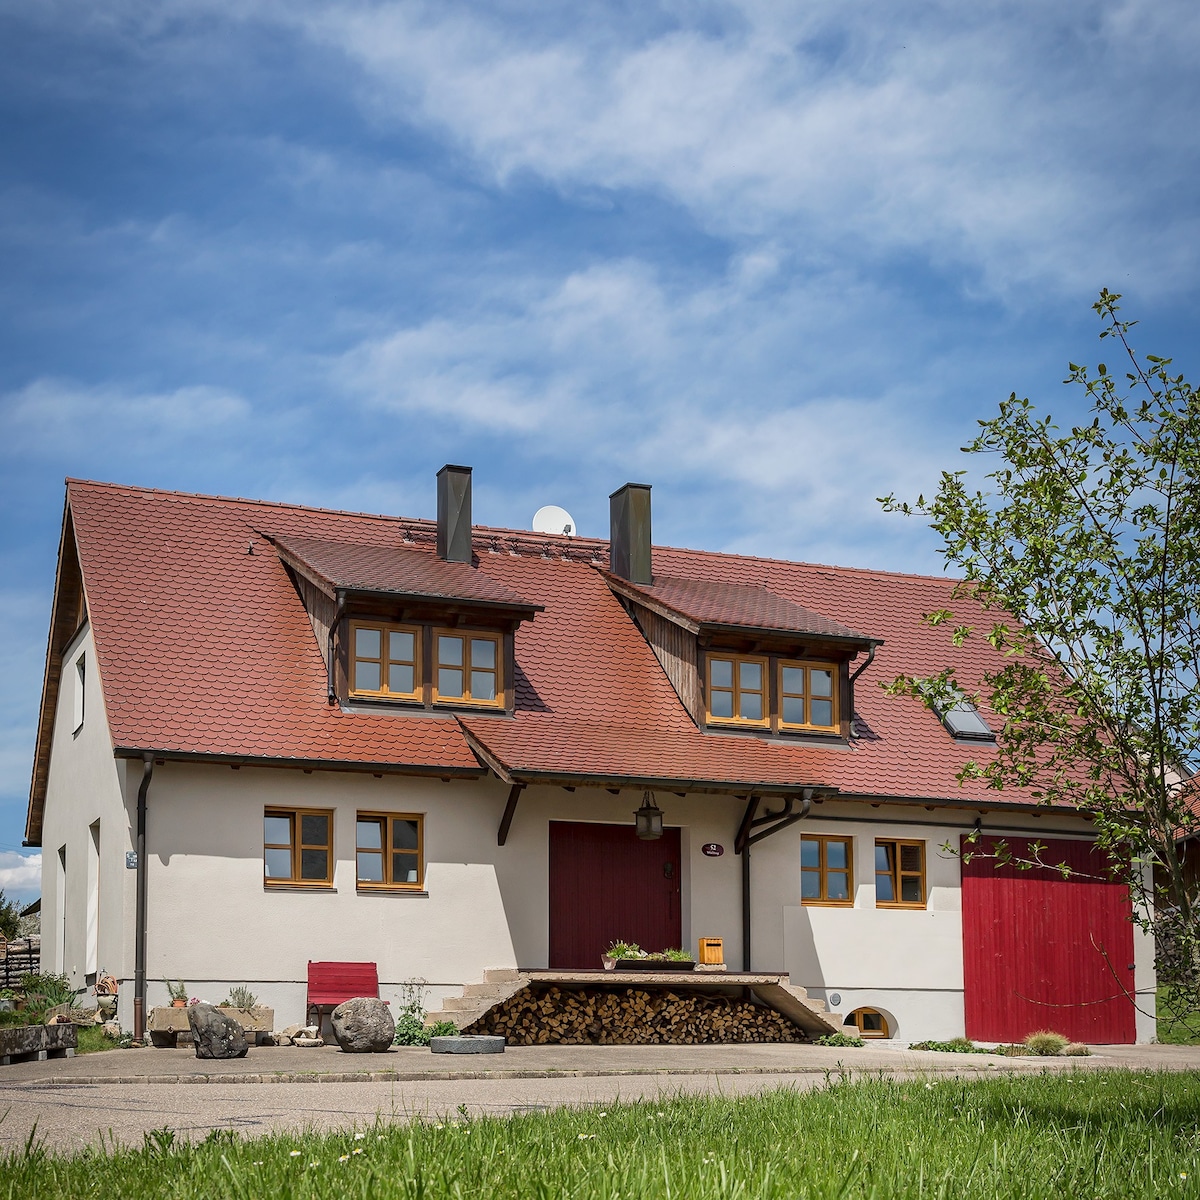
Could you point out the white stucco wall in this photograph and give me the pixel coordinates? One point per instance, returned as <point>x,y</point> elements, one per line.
<point>85,785</point>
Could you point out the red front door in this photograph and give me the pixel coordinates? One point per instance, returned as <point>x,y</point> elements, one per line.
<point>607,885</point>
<point>1044,952</point>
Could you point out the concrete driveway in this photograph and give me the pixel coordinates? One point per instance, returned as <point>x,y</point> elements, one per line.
<point>121,1094</point>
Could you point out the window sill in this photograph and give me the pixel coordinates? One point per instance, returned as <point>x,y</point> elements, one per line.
<point>272,886</point>
<point>733,723</point>
<point>827,903</point>
<point>377,890</point>
<point>912,907</point>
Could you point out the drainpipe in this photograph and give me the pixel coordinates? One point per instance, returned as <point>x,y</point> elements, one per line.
<point>330,680</point>
<point>139,934</point>
<point>862,667</point>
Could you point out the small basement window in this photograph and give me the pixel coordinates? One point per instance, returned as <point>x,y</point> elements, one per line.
<point>467,668</point>
<point>298,847</point>
<point>390,850</point>
<point>899,874</point>
<point>869,1022</point>
<point>386,661</point>
<point>737,690</point>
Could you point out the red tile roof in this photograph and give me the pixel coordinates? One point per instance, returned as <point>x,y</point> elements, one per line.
<point>737,606</point>
<point>204,648</point>
<point>399,570</point>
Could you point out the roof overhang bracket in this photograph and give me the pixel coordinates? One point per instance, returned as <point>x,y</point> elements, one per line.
<point>514,794</point>
<point>770,822</point>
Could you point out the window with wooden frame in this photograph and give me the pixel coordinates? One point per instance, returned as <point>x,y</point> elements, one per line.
<point>808,695</point>
<point>869,1022</point>
<point>298,847</point>
<point>826,870</point>
<point>467,668</point>
<point>390,850</point>
<point>899,873</point>
<point>737,689</point>
<point>385,660</point>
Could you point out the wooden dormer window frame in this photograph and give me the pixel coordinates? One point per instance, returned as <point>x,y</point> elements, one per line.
<point>731,692</point>
<point>801,695</point>
<point>470,675</point>
<point>395,660</point>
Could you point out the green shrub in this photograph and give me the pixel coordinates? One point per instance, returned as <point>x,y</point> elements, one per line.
<point>177,991</point>
<point>677,956</point>
<point>441,1029</point>
<point>839,1039</point>
<point>410,1019</point>
<point>625,950</point>
<point>48,990</point>
<point>1076,1050</point>
<point>241,997</point>
<point>1046,1042</point>
<point>958,1045</point>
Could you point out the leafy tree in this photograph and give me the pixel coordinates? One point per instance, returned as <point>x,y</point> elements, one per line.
<point>10,917</point>
<point>1086,547</point>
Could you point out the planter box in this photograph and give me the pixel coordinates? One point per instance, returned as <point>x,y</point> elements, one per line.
<point>25,1042</point>
<point>167,1026</point>
<point>647,964</point>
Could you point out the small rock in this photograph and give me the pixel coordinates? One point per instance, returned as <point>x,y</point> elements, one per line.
<point>216,1034</point>
<point>307,1042</point>
<point>363,1025</point>
<point>284,1036</point>
<point>112,1029</point>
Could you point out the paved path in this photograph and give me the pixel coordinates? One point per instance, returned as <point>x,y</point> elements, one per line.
<point>125,1093</point>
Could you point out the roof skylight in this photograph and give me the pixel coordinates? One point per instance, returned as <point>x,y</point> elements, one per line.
<point>964,721</point>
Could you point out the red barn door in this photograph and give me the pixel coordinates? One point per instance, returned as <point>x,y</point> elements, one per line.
<point>607,885</point>
<point>1044,952</point>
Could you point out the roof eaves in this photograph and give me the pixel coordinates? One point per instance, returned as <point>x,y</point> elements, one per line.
<point>430,770</point>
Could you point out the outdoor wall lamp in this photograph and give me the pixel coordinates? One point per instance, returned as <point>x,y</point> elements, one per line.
<point>648,819</point>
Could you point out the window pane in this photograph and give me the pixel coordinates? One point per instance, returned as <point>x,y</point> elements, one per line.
<point>370,835</point>
<point>839,885</point>
<point>910,858</point>
<point>810,885</point>
<point>366,643</point>
<point>793,680</point>
<point>721,704</point>
<point>450,682</point>
<point>370,866</point>
<point>793,710</point>
<point>483,652</point>
<point>404,835</point>
<point>277,864</point>
<point>872,1022</point>
<point>820,682</point>
<point>400,678</point>
<point>450,651</point>
<point>822,712</point>
<point>721,672</point>
<point>750,676</point>
<point>810,853</point>
<point>910,889</point>
<point>884,892</point>
<point>752,706</point>
<point>314,864</point>
<point>314,829</point>
<point>401,646</point>
<point>835,854</point>
<point>366,677</point>
<point>883,858</point>
<point>404,868</point>
<point>483,685</point>
<point>277,831</point>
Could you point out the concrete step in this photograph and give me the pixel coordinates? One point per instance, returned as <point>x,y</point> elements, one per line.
<point>486,991</point>
<point>501,975</point>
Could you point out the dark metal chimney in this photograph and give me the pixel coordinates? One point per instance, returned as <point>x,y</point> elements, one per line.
<point>454,513</point>
<point>629,533</point>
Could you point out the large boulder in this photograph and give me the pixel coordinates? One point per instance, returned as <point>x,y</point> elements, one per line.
<point>215,1033</point>
<point>363,1025</point>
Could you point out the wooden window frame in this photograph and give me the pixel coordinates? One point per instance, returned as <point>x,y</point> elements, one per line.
<point>823,901</point>
<point>467,635</point>
<point>384,628</point>
<point>736,691</point>
<point>298,846</point>
<point>388,885</point>
<point>807,665</point>
<point>856,1018</point>
<point>898,875</point>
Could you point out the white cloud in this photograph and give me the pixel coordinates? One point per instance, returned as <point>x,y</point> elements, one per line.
<point>20,874</point>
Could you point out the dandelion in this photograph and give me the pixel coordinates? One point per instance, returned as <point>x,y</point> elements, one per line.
<point>294,1153</point>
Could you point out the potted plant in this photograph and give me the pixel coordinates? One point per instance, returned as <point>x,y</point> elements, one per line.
<point>629,956</point>
<point>178,993</point>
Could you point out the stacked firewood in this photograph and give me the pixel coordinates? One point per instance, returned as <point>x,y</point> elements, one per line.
<point>631,1017</point>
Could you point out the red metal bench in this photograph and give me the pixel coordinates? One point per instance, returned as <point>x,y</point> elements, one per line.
<point>330,983</point>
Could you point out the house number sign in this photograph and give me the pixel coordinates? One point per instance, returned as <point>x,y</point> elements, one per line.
<point>712,849</point>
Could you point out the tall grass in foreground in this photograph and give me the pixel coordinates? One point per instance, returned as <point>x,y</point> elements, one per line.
<point>1116,1134</point>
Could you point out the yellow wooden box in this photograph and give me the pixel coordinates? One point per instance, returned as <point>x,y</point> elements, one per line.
<point>712,951</point>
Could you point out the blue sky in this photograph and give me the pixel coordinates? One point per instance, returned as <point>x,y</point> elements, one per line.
<point>775,259</point>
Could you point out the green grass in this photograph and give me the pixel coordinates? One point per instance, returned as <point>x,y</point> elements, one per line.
<point>1099,1136</point>
<point>1173,1030</point>
<point>91,1039</point>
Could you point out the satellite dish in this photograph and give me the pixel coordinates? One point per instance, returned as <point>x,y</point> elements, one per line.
<point>552,519</point>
